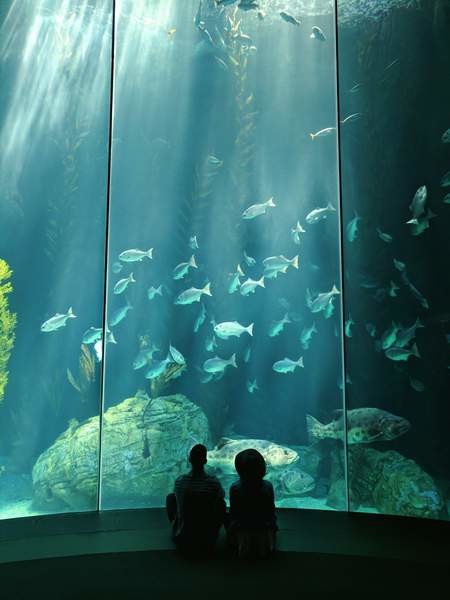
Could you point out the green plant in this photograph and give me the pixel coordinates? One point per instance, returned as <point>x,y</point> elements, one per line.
<point>8,322</point>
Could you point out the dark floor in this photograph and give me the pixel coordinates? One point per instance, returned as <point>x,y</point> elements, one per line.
<point>335,554</point>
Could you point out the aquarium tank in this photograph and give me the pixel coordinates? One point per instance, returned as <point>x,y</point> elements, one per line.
<point>224,222</point>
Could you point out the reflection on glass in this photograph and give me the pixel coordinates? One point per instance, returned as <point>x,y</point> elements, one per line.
<point>54,61</point>
<point>224,271</point>
<point>394,157</point>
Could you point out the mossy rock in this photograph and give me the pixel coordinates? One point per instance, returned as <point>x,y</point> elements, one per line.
<point>145,447</point>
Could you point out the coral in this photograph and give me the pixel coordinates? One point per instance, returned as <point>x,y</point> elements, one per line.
<point>8,322</point>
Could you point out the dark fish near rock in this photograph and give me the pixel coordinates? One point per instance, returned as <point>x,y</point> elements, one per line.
<point>364,425</point>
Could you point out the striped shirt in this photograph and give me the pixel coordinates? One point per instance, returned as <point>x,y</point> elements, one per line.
<point>200,506</point>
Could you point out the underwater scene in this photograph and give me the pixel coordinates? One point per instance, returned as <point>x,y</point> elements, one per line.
<point>224,222</point>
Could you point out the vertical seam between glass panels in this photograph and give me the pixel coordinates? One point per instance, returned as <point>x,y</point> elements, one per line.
<point>106,256</point>
<point>341,251</point>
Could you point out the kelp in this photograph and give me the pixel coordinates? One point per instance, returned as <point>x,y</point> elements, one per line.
<point>8,323</point>
<point>86,373</point>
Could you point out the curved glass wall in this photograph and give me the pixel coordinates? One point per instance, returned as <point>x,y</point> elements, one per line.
<point>228,258</point>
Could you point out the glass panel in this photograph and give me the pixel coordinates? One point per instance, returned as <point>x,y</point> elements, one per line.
<point>224,270</point>
<point>395,156</point>
<point>55,65</point>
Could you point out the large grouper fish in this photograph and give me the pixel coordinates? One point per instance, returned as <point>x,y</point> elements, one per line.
<point>275,455</point>
<point>364,425</point>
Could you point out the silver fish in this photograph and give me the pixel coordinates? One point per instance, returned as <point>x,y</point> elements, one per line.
<point>134,255</point>
<point>389,336</point>
<point>399,265</point>
<point>321,301</point>
<point>384,236</point>
<point>152,292</point>
<point>276,327</point>
<point>276,263</point>
<point>218,365</point>
<point>247,354</point>
<point>200,318</point>
<point>352,228</point>
<point>144,356</point>
<point>250,261</point>
<point>295,233</point>
<point>182,269</point>
<point>371,329</point>
<point>318,214</point>
<point>193,295</point>
<point>289,18</point>
<point>176,356</point>
<point>122,284</point>
<point>286,365</point>
<point>252,386</point>
<point>235,282</point>
<point>446,137</point>
<point>57,321</point>
<point>249,286</point>
<point>306,335</point>
<point>351,118</point>
<point>120,314</point>
<point>232,328</point>
<point>193,244</point>
<point>392,290</point>
<point>157,368</point>
<point>255,210</point>
<point>405,335</point>
<point>117,267</point>
<point>395,353</point>
<point>417,206</point>
<point>323,132</point>
<point>317,34</point>
<point>210,344</point>
<point>445,181</point>
<point>348,326</point>
<point>92,335</point>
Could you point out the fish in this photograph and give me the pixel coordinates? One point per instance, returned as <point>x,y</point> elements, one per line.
<point>117,267</point>
<point>247,354</point>
<point>364,426</point>
<point>248,5</point>
<point>407,334</point>
<point>255,210</point>
<point>182,269</point>
<point>445,180</point>
<point>176,355</point>
<point>289,18</point>
<point>399,265</point>
<point>273,273</point>
<point>235,282</point>
<point>249,286</point>
<point>110,339</point>
<point>348,326</point>
<point>210,344</point>
<point>277,263</point>
<point>384,236</point>
<point>355,88</point>
<point>143,356</point>
<point>134,255</point>
<point>98,349</point>
<point>57,321</point>
<point>232,328</point>
<point>317,34</point>
<point>200,318</point>
<point>291,481</point>
<point>395,353</point>
<point>92,335</point>
<point>371,329</point>
<point>446,199</point>
<point>157,368</point>
<point>171,32</point>
<point>445,138</point>
<point>351,118</point>
<point>120,314</point>
<point>352,228</point>
<point>323,132</point>
<point>392,290</point>
<point>122,284</point>
<point>218,365</point>
<point>329,309</point>
<point>321,301</point>
<point>252,386</point>
<point>319,213</point>
<point>417,385</point>
<point>250,261</point>
<point>415,292</point>
<point>222,456</point>
<point>295,231</point>
<point>287,365</point>
<point>261,15</point>
<point>213,160</point>
<point>389,336</point>
<point>306,336</point>
<point>419,224</point>
<point>193,294</point>
<point>152,292</point>
<point>193,244</point>
<point>276,327</point>
<point>417,206</point>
